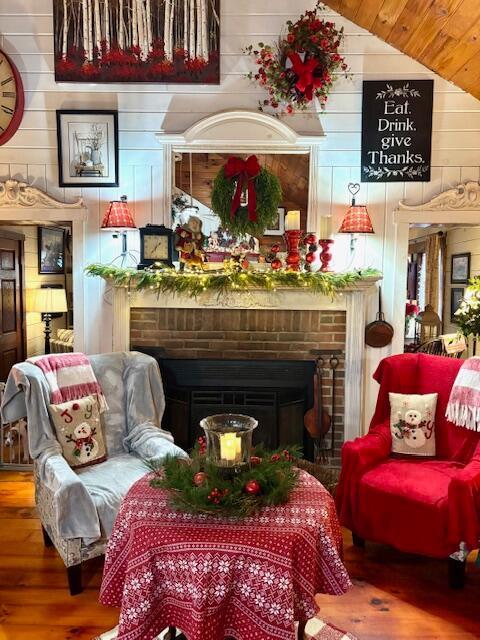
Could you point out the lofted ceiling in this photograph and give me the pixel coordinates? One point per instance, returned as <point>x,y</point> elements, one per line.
<point>444,35</point>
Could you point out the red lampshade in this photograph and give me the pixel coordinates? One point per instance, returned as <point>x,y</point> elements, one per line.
<point>356,220</point>
<point>118,216</point>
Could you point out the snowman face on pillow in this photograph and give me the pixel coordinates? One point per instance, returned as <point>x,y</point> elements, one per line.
<point>82,430</point>
<point>413,418</point>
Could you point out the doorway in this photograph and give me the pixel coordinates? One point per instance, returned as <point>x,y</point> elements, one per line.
<point>12,316</point>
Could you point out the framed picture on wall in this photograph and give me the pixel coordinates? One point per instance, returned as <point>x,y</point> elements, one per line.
<point>87,148</point>
<point>460,268</point>
<point>137,41</point>
<point>456,297</point>
<point>278,228</point>
<point>51,250</point>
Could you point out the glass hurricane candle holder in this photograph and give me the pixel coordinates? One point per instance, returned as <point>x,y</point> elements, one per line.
<point>229,441</point>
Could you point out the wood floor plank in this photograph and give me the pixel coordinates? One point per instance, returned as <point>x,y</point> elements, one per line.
<point>395,596</point>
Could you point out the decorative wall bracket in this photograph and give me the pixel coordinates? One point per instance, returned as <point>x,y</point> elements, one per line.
<point>20,194</point>
<point>465,197</point>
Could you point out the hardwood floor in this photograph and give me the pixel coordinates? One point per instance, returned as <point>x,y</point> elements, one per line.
<point>395,596</point>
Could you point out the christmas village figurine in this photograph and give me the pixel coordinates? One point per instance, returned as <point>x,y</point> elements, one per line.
<point>189,241</point>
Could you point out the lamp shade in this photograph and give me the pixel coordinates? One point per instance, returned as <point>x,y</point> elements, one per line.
<point>118,216</point>
<point>46,300</point>
<point>356,220</point>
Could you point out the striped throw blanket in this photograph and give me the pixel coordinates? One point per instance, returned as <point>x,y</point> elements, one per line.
<point>70,377</point>
<point>317,629</point>
<point>463,407</point>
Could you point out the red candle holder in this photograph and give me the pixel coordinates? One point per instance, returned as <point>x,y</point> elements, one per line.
<point>325,255</point>
<point>292,240</point>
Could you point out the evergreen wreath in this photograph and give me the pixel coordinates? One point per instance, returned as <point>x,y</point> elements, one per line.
<point>198,486</point>
<point>268,195</point>
<point>304,64</point>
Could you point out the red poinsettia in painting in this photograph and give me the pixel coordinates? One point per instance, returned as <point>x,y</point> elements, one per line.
<point>137,41</point>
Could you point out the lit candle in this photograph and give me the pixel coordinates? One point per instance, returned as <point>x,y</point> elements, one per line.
<point>228,447</point>
<point>238,447</point>
<point>325,227</point>
<point>292,221</point>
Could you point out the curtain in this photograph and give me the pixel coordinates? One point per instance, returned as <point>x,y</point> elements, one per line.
<point>435,256</point>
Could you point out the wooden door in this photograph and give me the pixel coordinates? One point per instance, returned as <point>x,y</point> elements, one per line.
<point>11,302</point>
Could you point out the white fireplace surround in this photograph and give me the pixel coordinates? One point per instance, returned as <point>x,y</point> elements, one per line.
<point>352,300</point>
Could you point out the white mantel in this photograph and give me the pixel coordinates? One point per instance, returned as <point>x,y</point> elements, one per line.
<point>352,300</point>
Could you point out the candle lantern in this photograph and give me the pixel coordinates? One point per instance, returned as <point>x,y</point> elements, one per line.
<point>229,441</point>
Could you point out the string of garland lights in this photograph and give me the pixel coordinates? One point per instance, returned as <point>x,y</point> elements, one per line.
<point>195,283</point>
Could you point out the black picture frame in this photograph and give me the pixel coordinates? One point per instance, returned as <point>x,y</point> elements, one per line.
<point>110,118</point>
<point>54,264</point>
<point>456,296</point>
<point>157,230</point>
<point>460,268</point>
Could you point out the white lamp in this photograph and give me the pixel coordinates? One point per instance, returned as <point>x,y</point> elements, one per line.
<point>46,301</point>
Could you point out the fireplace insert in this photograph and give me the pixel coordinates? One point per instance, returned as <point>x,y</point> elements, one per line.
<point>275,392</point>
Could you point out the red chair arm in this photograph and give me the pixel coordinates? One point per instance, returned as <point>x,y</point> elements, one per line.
<point>464,504</point>
<point>370,449</point>
<point>358,456</point>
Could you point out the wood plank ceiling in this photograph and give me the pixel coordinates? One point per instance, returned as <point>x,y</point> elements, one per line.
<point>444,35</point>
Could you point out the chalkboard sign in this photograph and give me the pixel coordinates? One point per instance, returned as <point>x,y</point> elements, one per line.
<point>397,130</point>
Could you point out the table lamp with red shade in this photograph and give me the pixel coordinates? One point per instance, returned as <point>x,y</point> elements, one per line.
<point>357,219</point>
<point>118,220</point>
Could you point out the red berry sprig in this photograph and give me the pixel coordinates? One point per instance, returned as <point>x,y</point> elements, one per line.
<point>217,495</point>
<point>202,445</point>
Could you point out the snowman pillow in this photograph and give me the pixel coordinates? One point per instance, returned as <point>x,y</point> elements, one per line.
<point>79,431</point>
<point>412,423</point>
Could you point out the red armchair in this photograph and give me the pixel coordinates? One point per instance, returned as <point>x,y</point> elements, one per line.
<point>424,506</point>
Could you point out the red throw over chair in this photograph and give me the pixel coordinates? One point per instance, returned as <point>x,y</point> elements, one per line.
<point>418,505</point>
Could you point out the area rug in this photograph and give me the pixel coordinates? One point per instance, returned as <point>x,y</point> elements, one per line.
<point>316,629</point>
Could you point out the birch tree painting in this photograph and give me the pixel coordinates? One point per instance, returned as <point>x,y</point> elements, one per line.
<point>137,41</point>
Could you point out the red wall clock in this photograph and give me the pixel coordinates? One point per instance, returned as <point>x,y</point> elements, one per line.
<point>12,98</point>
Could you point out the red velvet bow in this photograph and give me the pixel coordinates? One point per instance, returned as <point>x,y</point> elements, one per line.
<point>245,171</point>
<point>306,81</point>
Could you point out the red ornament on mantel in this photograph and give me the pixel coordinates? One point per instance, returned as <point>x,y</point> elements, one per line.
<point>276,264</point>
<point>325,254</point>
<point>253,488</point>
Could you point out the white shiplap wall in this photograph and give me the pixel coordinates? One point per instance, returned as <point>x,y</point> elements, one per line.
<point>26,34</point>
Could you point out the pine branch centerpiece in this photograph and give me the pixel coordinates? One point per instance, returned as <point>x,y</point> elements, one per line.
<point>198,486</point>
<point>194,284</point>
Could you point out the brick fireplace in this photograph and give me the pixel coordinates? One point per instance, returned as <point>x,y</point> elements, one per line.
<point>238,333</point>
<point>203,339</point>
<point>256,326</point>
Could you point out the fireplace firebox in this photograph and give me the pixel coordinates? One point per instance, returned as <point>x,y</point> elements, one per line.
<point>275,392</point>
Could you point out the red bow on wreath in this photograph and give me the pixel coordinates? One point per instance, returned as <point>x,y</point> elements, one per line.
<point>306,81</point>
<point>245,171</point>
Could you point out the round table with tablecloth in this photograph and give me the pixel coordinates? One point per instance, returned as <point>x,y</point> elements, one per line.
<point>215,577</point>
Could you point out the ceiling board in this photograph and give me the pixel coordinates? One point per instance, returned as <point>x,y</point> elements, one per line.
<point>444,35</point>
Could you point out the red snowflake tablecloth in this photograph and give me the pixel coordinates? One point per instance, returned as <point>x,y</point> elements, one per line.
<point>211,577</point>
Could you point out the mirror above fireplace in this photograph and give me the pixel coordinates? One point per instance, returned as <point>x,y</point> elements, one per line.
<point>242,132</point>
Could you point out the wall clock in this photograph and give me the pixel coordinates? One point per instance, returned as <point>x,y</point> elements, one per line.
<point>156,246</point>
<point>12,98</point>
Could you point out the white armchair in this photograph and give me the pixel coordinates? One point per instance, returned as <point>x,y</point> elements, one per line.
<point>77,508</point>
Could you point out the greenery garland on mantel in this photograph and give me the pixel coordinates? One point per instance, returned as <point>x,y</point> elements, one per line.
<point>196,283</point>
